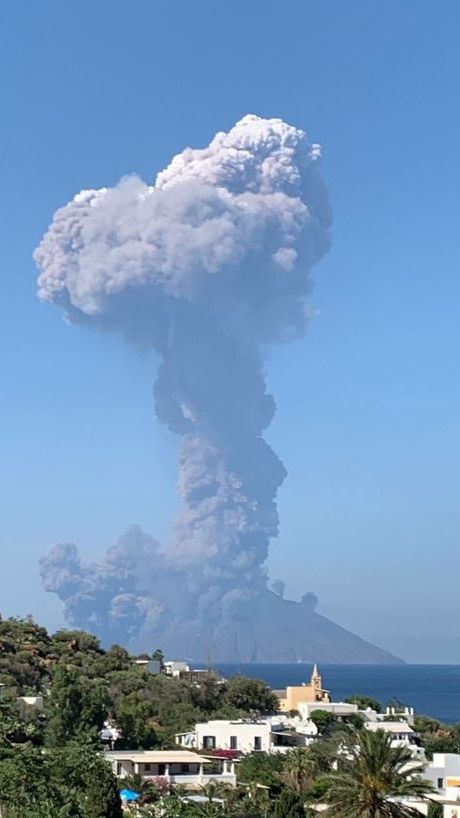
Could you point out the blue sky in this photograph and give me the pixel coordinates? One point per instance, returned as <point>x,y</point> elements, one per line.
<point>368,404</point>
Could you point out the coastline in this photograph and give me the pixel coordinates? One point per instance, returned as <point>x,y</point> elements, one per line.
<point>433,690</point>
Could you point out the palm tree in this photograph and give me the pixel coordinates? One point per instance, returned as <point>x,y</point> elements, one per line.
<point>147,790</point>
<point>217,795</point>
<point>289,805</point>
<point>299,770</point>
<point>372,777</point>
<point>249,800</point>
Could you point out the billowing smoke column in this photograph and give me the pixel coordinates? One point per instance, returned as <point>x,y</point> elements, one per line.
<point>208,266</point>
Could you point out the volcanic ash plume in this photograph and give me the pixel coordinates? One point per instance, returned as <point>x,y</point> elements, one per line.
<point>208,266</point>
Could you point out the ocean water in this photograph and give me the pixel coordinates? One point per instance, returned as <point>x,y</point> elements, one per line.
<point>433,690</point>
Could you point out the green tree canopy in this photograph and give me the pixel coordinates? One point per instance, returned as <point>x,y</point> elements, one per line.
<point>85,778</point>
<point>437,737</point>
<point>55,784</point>
<point>289,805</point>
<point>435,810</point>
<point>364,702</point>
<point>299,769</point>
<point>261,768</point>
<point>323,720</point>
<point>76,706</point>
<point>250,695</point>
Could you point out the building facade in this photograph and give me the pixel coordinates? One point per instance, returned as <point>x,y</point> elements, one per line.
<point>272,734</point>
<point>172,767</point>
<point>312,693</point>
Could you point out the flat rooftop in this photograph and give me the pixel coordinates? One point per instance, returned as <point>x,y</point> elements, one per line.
<point>157,756</point>
<point>389,726</point>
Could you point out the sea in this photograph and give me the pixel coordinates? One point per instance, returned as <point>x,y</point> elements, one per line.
<point>432,690</point>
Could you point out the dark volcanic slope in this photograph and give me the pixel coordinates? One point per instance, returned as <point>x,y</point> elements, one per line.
<point>268,629</point>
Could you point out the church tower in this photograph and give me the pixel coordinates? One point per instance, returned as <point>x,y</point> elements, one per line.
<point>316,679</point>
<point>305,693</point>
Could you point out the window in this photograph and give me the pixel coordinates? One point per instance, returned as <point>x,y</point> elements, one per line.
<point>209,742</point>
<point>233,742</point>
<point>119,768</point>
<point>146,768</point>
<point>440,783</point>
<point>257,743</point>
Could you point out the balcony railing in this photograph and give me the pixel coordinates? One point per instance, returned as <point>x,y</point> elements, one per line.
<point>193,779</point>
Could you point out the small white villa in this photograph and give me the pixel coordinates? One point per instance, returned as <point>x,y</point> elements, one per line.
<point>276,733</point>
<point>402,734</point>
<point>172,766</point>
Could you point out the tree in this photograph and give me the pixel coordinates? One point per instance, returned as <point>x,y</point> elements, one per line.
<point>159,656</point>
<point>25,782</point>
<point>371,776</point>
<point>86,782</point>
<point>437,737</point>
<point>261,768</point>
<point>133,717</point>
<point>435,810</point>
<point>207,694</point>
<point>323,754</point>
<point>251,802</point>
<point>365,702</point>
<point>289,805</point>
<point>250,695</point>
<point>217,796</point>
<point>354,720</point>
<point>16,728</point>
<point>76,707</point>
<point>440,744</point>
<point>174,806</point>
<point>55,784</point>
<point>116,658</point>
<point>323,720</point>
<point>299,769</point>
<point>148,791</point>
<point>63,706</point>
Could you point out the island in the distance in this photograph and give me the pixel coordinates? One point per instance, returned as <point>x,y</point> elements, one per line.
<point>268,628</point>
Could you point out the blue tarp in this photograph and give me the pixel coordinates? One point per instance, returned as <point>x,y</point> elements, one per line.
<point>129,795</point>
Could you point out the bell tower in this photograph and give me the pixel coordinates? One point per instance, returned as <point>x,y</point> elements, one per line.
<point>308,693</point>
<point>316,679</point>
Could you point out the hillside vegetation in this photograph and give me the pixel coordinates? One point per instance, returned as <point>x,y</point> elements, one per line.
<point>107,684</point>
<point>50,761</point>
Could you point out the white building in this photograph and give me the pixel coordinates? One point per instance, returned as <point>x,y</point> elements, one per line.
<point>175,668</point>
<point>402,735</point>
<point>405,713</point>
<point>443,772</point>
<point>172,766</point>
<point>344,709</point>
<point>451,809</point>
<point>271,734</point>
<point>414,804</point>
<point>32,701</point>
<point>338,709</point>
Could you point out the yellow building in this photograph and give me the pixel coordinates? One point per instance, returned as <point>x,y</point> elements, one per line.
<point>312,692</point>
